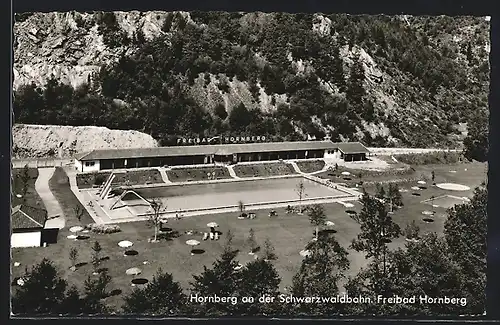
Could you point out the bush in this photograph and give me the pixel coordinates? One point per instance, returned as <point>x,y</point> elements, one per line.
<point>440,157</point>
<point>103,229</point>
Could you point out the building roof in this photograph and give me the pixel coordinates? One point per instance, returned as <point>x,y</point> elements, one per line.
<point>27,217</point>
<point>219,149</point>
<point>352,147</point>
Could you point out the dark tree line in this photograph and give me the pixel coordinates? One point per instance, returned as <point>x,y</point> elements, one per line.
<point>148,90</point>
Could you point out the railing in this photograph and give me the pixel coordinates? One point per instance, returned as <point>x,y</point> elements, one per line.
<point>40,163</point>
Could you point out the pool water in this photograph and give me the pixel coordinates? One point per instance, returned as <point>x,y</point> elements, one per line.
<point>216,195</point>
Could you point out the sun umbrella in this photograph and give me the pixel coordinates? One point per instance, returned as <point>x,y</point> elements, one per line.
<point>349,205</point>
<point>72,237</point>
<point>133,271</point>
<point>212,224</point>
<point>330,223</point>
<point>125,244</point>
<point>76,229</point>
<point>19,195</point>
<point>346,173</point>
<point>421,182</point>
<point>192,242</point>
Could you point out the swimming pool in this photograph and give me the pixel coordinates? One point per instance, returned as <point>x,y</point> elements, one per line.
<point>218,195</point>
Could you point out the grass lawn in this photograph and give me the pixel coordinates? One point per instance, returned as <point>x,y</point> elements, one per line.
<point>197,174</point>
<point>60,187</point>
<point>264,169</point>
<point>129,177</point>
<point>311,166</point>
<point>288,233</point>
<point>31,198</point>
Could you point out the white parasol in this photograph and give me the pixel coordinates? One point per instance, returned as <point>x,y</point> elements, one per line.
<point>212,225</point>
<point>125,244</point>
<point>72,237</point>
<point>76,229</point>
<point>133,271</point>
<point>330,223</point>
<point>346,173</point>
<point>192,242</point>
<point>421,182</point>
<point>19,195</point>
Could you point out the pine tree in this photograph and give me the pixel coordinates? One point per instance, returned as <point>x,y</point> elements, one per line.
<point>269,251</point>
<point>252,244</point>
<point>96,256</point>
<point>355,85</point>
<point>42,292</point>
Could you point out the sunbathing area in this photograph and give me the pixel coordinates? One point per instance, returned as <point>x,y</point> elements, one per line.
<point>264,169</point>
<point>129,178</point>
<point>311,166</point>
<point>197,174</point>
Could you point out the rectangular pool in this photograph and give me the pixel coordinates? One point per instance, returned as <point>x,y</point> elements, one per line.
<point>218,195</point>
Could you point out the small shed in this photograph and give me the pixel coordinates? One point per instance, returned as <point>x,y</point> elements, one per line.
<point>353,151</point>
<point>28,226</point>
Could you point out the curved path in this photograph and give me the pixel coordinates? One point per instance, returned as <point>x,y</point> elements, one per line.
<point>54,212</point>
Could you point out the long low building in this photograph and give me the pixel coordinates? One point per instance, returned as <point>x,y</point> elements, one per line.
<point>97,160</point>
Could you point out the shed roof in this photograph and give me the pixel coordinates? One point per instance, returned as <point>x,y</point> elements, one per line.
<point>217,149</point>
<point>352,147</point>
<point>27,217</point>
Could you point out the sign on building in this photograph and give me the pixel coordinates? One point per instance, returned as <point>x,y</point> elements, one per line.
<point>221,140</point>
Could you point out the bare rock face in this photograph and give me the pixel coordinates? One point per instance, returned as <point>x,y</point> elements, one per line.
<point>69,45</point>
<point>37,141</point>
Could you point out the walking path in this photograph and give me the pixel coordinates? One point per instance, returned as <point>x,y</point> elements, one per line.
<point>296,167</point>
<point>164,175</point>
<point>232,172</point>
<point>54,212</point>
<point>81,197</point>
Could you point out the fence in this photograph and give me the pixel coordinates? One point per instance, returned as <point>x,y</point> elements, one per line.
<point>40,163</point>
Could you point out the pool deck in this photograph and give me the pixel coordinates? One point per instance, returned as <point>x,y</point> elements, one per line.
<point>102,215</point>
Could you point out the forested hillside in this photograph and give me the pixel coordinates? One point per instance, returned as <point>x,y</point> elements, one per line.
<point>395,81</point>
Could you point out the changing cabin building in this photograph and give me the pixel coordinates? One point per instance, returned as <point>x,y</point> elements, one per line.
<point>111,159</point>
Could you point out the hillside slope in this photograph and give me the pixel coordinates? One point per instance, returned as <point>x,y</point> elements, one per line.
<point>42,141</point>
<point>397,81</point>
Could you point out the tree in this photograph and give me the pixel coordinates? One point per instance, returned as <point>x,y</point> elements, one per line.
<point>258,278</point>
<point>79,212</point>
<point>221,280</point>
<point>355,84</point>
<point>220,111</point>
<point>72,303</point>
<point>162,296</point>
<point>155,218</point>
<point>394,196</point>
<point>377,229</point>
<point>25,178</point>
<point>317,217</point>
<point>97,288</point>
<point>241,207</point>
<point>269,252</point>
<point>229,240</point>
<point>95,291</point>
<point>424,268</point>
<point>42,292</point>
<point>476,142</point>
<point>252,244</point>
<point>239,118</point>
<point>319,276</point>
<point>300,192</point>
<point>96,256</point>
<point>73,256</point>
<point>466,235</point>
<point>381,194</point>
<point>412,230</point>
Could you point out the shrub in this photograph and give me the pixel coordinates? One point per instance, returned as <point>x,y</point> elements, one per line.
<point>103,229</point>
<point>440,157</point>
